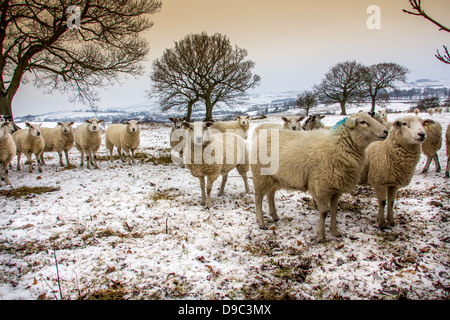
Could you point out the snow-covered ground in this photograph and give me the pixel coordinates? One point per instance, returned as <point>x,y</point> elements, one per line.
<point>139,232</point>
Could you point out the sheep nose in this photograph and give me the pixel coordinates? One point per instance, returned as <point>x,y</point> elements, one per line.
<point>198,139</point>
<point>38,134</point>
<point>422,136</point>
<point>294,128</point>
<point>386,132</point>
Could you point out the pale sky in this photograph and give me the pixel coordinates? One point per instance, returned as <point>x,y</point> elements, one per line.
<point>292,42</point>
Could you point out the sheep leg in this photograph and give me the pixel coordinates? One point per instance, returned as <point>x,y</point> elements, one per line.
<point>427,165</point>
<point>5,174</point>
<point>436,163</point>
<point>222,186</point>
<point>392,192</point>
<point>82,158</point>
<point>133,151</point>
<point>30,162</point>
<point>66,153</point>
<point>119,150</point>
<point>323,205</point>
<point>258,207</point>
<point>202,188</point>
<point>209,184</point>
<point>333,210</point>
<point>41,158</point>
<point>381,196</point>
<point>18,161</point>
<point>243,174</point>
<point>60,158</point>
<point>38,156</point>
<point>447,170</point>
<point>272,209</point>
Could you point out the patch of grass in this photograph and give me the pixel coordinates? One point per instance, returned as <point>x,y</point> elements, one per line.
<point>27,191</point>
<point>164,194</point>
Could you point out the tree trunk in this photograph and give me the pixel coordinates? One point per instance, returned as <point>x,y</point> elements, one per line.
<point>189,111</point>
<point>343,112</point>
<point>5,105</point>
<point>374,99</point>
<point>209,108</point>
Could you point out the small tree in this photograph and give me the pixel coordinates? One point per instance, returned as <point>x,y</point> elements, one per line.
<point>307,100</point>
<point>379,77</point>
<point>342,84</point>
<point>203,68</point>
<point>36,42</point>
<point>426,103</point>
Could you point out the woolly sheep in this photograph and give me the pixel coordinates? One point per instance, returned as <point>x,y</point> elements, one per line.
<point>390,164</point>
<point>88,140</point>
<point>125,137</point>
<point>325,163</point>
<point>29,141</point>
<point>240,126</point>
<point>290,123</point>
<point>383,114</point>
<point>176,139</point>
<point>7,151</point>
<point>432,145</point>
<point>313,122</point>
<point>416,111</point>
<point>58,139</point>
<point>447,142</point>
<point>209,153</point>
<point>430,111</point>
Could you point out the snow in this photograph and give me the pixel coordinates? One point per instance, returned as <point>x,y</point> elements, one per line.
<point>140,232</point>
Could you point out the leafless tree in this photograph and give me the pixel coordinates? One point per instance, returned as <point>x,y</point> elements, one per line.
<point>381,76</point>
<point>104,42</point>
<point>418,11</point>
<point>342,84</point>
<point>202,68</point>
<point>307,100</point>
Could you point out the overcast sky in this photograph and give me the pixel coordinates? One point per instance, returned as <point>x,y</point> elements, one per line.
<point>292,42</point>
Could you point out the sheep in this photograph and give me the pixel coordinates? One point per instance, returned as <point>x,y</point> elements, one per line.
<point>416,111</point>
<point>290,123</point>
<point>176,139</point>
<point>210,153</point>
<point>390,164</point>
<point>29,141</point>
<point>432,145</point>
<point>240,126</point>
<point>7,151</point>
<point>88,140</point>
<point>58,139</point>
<point>383,114</point>
<point>430,111</point>
<point>313,122</point>
<point>125,137</point>
<point>447,142</point>
<point>325,163</point>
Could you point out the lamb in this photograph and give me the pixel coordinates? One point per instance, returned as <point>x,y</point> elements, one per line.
<point>290,123</point>
<point>125,137</point>
<point>58,139</point>
<point>210,153</point>
<point>447,142</point>
<point>313,122</point>
<point>390,164</point>
<point>432,145</point>
<point>29,141</point>
<point>325,163</point>
<point>7,151</point>
<point>88,140</point>
<point>240,126</point>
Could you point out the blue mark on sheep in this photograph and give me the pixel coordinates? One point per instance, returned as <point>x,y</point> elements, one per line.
<point>339,123</point>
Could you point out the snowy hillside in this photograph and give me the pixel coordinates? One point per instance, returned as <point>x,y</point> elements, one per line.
<point>139,232</point>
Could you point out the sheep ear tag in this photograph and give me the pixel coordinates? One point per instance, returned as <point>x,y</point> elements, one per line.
<point>351,123</point>
<point>428,126</point>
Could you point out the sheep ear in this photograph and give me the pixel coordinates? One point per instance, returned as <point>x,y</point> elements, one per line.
<point>185,124</point>
<point>396,124</point>
<point>71,123</point>
<point>28,124</point>
<point>320,117</point>
<point>427,122</point>
<point>209,123</point>
<point>59,124</point>
<point>100,121</point>
<point>248,117</point>
<point>171,119</point>
<point>301,118</point>
<point>127,122</point>
<point>284,119</point>
<point>88,121</point>
<point>351,122</point>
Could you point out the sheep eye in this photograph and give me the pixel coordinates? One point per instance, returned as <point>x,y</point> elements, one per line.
<point>363,122</point>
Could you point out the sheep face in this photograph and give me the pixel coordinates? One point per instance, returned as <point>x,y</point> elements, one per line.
<point>34,129</point>
<point>177,122</point>
<point>313,122</point>
<point>3,128</point>
<point>412,129</point>
<point>66,127</point>
<point>132,126</point>
<point>198,133</point>
<point>243,120</point>
<point>365,129</point>
<point>292,122</point>
<point>94,124</point>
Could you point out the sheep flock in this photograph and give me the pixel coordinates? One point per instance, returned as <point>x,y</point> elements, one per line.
<point>173,231</point>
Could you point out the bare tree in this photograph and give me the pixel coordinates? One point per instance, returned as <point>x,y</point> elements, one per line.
<point>379,77</point>
<point>342,84</point>
<point>103,43</point>
<point>418,11</point>
<point>307,100</point>
<point>205,68</point>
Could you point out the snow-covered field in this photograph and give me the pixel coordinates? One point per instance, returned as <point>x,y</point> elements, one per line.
<point>139,232</point>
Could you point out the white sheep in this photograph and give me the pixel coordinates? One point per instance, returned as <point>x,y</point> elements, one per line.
<point>432,145</point>
<point>210,153</point>
<point>7,151</point>
<point>391,164</point>
<point>125,137</point>
<point>88,140</point>
<point>325,163</point>
<point>430,111</point>
<point>58,139</point>
<point>176,139</point>
<point>447,142</point>
<point>314,122</point>
<point>29,141</point>
<point>416,111</point>
<point>240,126</point>
<point>289,123</point>
<point>383,113</point>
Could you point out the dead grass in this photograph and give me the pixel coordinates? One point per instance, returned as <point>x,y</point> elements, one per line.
<point>27,191</point>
